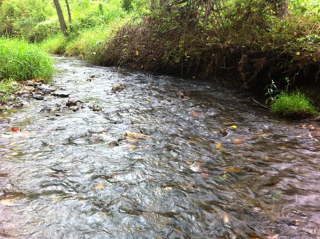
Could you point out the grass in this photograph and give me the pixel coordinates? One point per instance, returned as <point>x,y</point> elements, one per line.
<point>293,105</point>
<point>20,61</point>
<point>55,44</point>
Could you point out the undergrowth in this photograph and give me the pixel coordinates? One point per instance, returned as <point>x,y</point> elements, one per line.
<point>20,61</point>
<point>246,43</point>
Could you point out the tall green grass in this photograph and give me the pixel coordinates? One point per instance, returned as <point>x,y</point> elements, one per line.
<point>295,105</point>
<point>21,61</point>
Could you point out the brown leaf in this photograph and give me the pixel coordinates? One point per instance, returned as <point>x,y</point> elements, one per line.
<point>133,136</point>
<point>99,186</point>
<point>234,170</point>
<point>15,129</point>
<point>7,202</point>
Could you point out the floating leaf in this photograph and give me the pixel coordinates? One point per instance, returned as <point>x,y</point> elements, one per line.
<point>195,167</point>
<point>99,186</point>
<point>15,129</point>
<point>6,202</point>
<point>219,146</point>
<point>226,218</point>
<point>224,176</point>
<point>132,147</point>
<point>133,136</point>
<point>54,198</point>
<point>234,170</point>
<point>237,141</point>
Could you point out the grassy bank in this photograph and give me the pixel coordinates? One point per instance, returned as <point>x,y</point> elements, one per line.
<point>21,61</point>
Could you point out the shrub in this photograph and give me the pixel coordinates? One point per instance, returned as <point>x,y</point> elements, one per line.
<point>42,30</point>
<point>21,61</point>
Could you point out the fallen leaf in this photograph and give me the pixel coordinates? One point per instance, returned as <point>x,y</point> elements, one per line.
<point>15,129</point>
<point>219,146</point>
<point>226,218</point>
<point>133,136</point>
<point>237,141</point>
<point>54,198</point>
<point>234,170</point>
<point>99,186</point>
<point>39,79</point>
<point>132,147</point>
<point>6,202</point>
<point>224,176</point>
<point>195,167</point>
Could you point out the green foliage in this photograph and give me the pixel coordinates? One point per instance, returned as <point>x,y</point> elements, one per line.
<point>21,61</point>
<point>127,5</point>
<point>43,30</point>
<point>55,44</point>
<point>20,17</point>
<point>295,105</point>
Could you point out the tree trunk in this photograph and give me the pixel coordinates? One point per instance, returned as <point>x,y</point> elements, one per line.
<point>69,12</point>
<point>63,24</point>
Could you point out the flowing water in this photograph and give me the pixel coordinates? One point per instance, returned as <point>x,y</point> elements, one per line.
<point>142,162</point>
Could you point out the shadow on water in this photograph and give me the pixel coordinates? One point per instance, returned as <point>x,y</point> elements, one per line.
<point>141,162</point>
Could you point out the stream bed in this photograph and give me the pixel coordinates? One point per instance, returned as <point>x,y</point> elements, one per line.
<point>123,154</point>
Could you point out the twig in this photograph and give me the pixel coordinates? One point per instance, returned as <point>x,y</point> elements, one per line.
<point>264,106</point>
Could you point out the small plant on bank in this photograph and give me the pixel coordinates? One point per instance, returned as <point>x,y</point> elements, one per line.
<point>292,105</point>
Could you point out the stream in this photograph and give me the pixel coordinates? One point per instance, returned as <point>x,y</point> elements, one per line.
<point>118,154</point>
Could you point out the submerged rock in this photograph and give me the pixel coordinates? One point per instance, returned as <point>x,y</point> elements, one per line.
<point>117,88</point>
<point>60,93</point>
